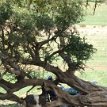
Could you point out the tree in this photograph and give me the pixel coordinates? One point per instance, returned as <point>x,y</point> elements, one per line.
<point>36,32</point>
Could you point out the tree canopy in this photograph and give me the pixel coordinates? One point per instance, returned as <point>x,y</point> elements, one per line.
<point>40,33</point>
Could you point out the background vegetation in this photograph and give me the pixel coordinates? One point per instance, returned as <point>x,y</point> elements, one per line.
<point>97,35</point>
<point>100,16</point>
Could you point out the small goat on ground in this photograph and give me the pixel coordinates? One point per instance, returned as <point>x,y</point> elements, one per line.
<point>34,101</point>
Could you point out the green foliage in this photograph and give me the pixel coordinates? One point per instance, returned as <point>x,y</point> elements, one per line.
<point>69,14</point>
<point>26,22</point>
<point>5,12</point>
<point>22,18</point>
<point>79,49</point>
<point>44,22</point>
<point>32,31</point>
<point>99,1</point>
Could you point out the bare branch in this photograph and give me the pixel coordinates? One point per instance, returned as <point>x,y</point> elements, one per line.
<point>47,41</point>
<point>6,85</point>
<point>3,38</point>
<point>95,6</point>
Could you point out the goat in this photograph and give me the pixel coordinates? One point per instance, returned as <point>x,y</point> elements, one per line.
<point>34,101</point>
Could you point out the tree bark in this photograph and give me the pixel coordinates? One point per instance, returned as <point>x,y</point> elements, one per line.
<point>95,97</point>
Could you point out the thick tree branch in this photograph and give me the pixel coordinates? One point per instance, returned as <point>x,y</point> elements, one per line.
<point>81,85</point>
<point>11,97</point>
<point>65,56</point>
<point>99,96</point>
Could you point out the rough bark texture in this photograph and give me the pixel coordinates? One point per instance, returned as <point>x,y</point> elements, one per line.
<point>22,36</point>
<point>92,95</point>
<point>95,96</point>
